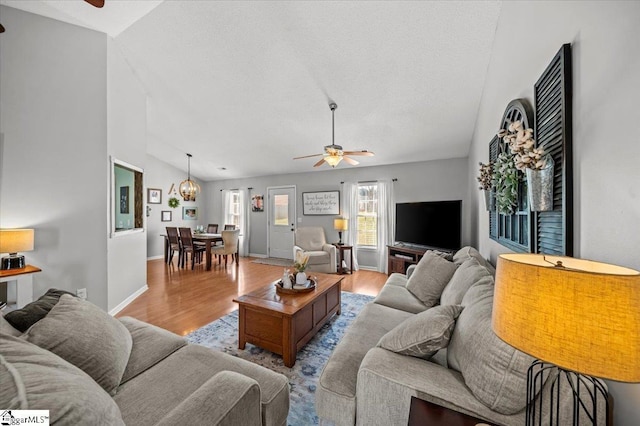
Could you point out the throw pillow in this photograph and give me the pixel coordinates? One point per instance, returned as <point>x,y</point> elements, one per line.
<point>495,372</point>
<point>443,254</point>
<point>87,337</point>
<point>35,379</point>
<point>467,274</point>
<point>22,319</point>
<point>430,277</point>
<point>424,334</point>
<point>469,252</point>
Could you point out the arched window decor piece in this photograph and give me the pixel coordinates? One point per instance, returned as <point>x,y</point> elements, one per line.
<point>512,230</point>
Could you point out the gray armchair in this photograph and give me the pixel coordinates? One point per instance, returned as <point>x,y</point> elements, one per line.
<point>312,242</point>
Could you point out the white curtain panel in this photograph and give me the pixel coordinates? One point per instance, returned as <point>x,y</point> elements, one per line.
<point>226,195</point>
<point>245,226</point>
<point>350,212</point>
<point>386,221</point>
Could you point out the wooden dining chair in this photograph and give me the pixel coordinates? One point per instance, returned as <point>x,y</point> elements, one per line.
<point>174,244</point>
<point>186,241</point>
<point>228,227</point>
<point>212,228</point>
<point>229,245</point>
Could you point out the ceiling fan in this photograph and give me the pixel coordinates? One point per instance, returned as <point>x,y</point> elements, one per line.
<point>333,153</point>
<point>94,3</point>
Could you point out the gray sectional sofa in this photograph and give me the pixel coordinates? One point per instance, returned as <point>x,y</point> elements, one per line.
<point>400,346</point>
<point>86,367</point>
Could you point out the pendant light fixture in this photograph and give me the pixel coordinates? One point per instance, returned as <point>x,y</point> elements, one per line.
<point>188,188</point>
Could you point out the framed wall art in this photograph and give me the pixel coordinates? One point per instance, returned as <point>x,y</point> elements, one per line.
<point>165,216</point>
<point>189,213</point>
<point>154,196</point>
<point>321,203</point>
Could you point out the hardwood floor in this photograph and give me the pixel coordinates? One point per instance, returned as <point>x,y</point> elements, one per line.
<point>182,300</point>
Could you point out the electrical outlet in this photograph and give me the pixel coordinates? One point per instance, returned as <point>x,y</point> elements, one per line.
<point>82,293</point>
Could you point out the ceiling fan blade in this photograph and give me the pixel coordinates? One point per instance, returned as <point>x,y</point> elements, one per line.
<point>319,163</point>
<point>307,156</point>
<point>1,28</point>
<point>350,160</point>
<point>363,152</point>
<point>96,3</point>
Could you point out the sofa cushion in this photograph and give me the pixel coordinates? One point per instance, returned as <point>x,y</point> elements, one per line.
<point>398,297</point>
<point>469,252</point>
<point>467,274</point>
<point>430,277</point>
<point>35,379</point>
<point>310,238</point>
<point>87,337</point>
<point>397,280</point>
<point>336,392</point>
<point>424,334</point>
<point>153,394</point>
<point>151,345</point>
<point>317,257</point>
<point>33,312</point>
<point>443,254</point>
<point>495,372</point>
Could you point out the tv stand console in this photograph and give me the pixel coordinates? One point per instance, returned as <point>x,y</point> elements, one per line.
<point>401,256</point>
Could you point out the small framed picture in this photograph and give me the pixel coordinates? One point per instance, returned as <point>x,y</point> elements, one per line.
<point>189,213</point>
<point>154,196</point>
<point>257,203</point>
<point>165,215</point>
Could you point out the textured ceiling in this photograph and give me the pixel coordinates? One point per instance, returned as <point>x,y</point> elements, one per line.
<point>246,85</point>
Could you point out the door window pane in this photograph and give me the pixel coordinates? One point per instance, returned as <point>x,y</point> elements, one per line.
<point>281,209</point>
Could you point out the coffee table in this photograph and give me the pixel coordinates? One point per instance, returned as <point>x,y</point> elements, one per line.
<point>284,323</point>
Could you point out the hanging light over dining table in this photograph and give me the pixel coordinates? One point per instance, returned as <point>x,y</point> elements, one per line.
<point>188,188</point>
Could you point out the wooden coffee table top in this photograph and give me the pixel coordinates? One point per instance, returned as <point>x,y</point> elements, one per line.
<point>288,304</point>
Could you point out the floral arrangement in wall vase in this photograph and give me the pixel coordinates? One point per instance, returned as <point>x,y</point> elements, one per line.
<point>486,174</point>
<point>535,162</point>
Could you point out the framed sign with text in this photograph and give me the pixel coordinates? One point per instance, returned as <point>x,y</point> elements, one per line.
<point>321,203</point>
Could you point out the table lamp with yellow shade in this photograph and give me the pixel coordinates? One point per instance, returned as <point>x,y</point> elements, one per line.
<point>340,224</point>
<point>579,316</point>
<point>13,241</point>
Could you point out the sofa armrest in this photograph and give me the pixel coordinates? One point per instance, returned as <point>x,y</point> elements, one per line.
<point>228,398</point>
<point>395,377</point>
<point>410,270</point>
<point>333,256</point>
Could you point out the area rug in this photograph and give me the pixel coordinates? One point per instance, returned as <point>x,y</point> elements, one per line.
<point>222,335</point>
<point>273,261</point>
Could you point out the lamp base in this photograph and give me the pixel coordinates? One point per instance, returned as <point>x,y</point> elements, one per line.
<point>590,397</point>
<point>340,238</point>
<point>13,261</point>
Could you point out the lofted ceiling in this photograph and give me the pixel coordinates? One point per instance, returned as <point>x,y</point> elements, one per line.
<point>246,85</point>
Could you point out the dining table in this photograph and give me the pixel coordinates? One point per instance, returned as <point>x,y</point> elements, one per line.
<point>208,239</point>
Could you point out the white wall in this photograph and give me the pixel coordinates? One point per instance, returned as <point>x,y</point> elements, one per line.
<point>161,175</point>
<point>606,89</point>
<point>424,181</point>
<point>53,118</point>
<point>127,131</point>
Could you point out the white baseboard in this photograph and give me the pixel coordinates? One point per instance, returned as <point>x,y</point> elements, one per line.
<point>128,300</point>
<point>368,268</point>
<point>156,257</point>
<point>261,256</point>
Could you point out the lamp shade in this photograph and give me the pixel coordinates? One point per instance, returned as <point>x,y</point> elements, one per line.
<point>16,240</point>
<point>579,315</point>
<point>340,224</point>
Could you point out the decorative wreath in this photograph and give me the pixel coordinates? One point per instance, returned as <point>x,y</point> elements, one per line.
<point>174,202</point>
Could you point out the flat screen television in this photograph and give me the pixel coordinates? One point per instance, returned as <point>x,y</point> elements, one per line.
<point>429,223</point>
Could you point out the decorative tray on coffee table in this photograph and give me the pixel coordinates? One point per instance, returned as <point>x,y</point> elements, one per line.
<point>297,288</point>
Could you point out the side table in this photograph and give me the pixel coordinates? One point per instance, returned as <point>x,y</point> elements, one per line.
<point>427,413</point>
<point>341,248</point>
<point>23,280</point>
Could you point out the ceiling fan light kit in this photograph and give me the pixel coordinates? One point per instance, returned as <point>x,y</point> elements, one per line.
<point>188,188</point>
<point>334,154</point>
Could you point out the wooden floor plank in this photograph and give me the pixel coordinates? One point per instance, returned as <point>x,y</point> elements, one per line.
<point>182,300</point>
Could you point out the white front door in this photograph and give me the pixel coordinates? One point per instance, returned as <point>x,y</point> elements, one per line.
<point>282,219</point>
